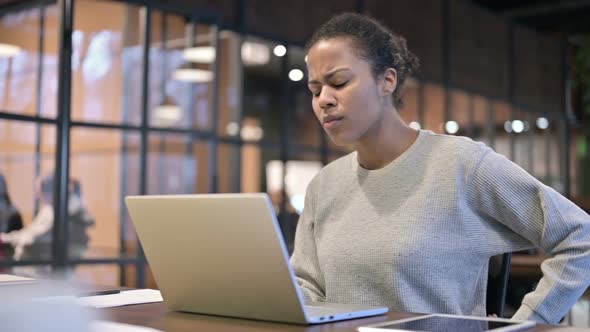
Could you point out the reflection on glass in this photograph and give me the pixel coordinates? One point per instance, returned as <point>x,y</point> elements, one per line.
<point>96,274</point>
<point>291,180</point>
<point>297,175</point>
<point>237,163</point>
<point>182,59</point>
<point>262,94</point>
<point>304,128</point>
<point>34,241</point>
<point>106,164</point>
<point>176,165</point>
<point>106,63</point>
<point>19,62</point>
<point>27,155</point>
<point>230,82</point>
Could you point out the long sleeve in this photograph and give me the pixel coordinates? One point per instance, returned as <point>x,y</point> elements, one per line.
<point>15,222</point>
<point>500,191</point>
<point>304,259</point>
<point>42,223</point>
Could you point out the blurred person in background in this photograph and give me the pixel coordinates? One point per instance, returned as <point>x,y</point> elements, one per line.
<point>34,241</point>
<point>10,218</point>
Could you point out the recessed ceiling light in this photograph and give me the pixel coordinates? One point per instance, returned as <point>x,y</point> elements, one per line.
<point>254,54</point>
<point>199,54</point>
<point>167,115</point>
<point>280,50</point>
<point>9,50</point>
<point>452,127</point>
<point>295,75</point>
<point>415,125</point>
<point>517,126</point>
<point>542,123</point>
<point>193,75</point>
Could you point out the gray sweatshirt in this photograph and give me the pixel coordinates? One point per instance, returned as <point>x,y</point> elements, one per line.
<point>417,235</point>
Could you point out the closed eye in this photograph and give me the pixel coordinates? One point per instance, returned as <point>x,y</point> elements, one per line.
<point>337,86</point>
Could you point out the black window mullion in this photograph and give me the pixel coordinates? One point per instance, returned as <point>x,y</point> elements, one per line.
<point>146,24</point>
<point>189,165</point>
<point>39,104</point>
<point>213,144</point>
<point>60,199</point>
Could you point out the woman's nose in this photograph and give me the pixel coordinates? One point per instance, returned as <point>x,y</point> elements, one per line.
<point>326,99</point>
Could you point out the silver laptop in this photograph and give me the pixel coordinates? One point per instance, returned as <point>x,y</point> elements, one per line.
<point>223,254</point>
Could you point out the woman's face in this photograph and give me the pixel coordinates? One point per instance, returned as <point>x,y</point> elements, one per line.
<point>346,98</point>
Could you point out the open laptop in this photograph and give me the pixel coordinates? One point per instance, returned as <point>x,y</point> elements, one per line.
<point>223,254</point>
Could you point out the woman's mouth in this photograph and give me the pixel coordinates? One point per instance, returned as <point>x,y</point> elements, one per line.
<point>331,122</point>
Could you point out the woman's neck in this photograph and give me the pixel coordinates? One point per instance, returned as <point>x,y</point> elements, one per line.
<point>385,142</point>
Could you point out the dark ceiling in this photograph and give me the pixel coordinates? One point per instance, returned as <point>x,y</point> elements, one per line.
<point>571,17</point>
<point>9,2</point>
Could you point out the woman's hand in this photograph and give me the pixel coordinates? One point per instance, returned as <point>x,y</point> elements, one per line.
<point>6,238</point>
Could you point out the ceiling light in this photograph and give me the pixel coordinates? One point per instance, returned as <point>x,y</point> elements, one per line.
<point>254,54</point>
<point>193,75</point>
<point>167,114</point>
<point>415,125</point>
<point>232,128</point>
<point>295,75</point>
<point>452,127</point>
<point>199,54</point>
<point>517,126</point>
<point>8,50</point>
<point>251,133</point>
<point>280,50</point>
<point>542,123</point>
<point>508,126</point>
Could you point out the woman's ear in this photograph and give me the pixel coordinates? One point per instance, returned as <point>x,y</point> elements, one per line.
<point>389,81</point>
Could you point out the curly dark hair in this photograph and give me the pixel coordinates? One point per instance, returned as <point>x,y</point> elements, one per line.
<point>374,43</point>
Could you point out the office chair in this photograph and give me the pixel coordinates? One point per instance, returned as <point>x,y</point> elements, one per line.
<point>499,268</point>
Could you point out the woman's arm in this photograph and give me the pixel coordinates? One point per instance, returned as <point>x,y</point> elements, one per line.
<point>304,259</point>
<point>502,191</point>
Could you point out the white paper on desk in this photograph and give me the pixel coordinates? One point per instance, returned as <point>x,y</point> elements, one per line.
<point>100,326</point>
<point>9,279</point>
<point>136,296</point>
